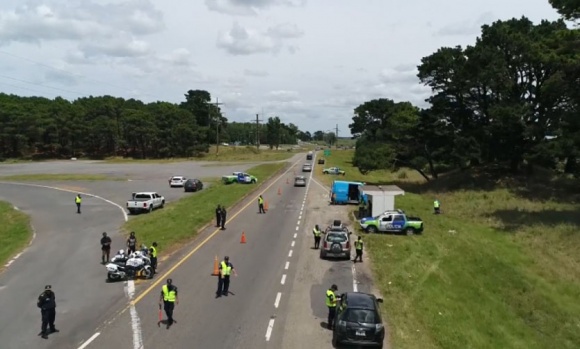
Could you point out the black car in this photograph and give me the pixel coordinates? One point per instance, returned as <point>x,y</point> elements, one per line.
<point>358,321</point>
<point>192,185</point>
<point>321,161</point>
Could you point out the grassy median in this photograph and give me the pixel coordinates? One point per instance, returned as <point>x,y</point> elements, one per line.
<point>498,269</point>
<point>180,221</point>
<point>61,177</point>
<point>15,232</point>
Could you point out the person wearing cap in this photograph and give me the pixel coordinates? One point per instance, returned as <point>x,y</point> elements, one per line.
<point>331,302</point>
<point>226,268</point>
<point>105,248</point>
<point>153,254</point>
<point>47,304</point>
<point>170,299</point>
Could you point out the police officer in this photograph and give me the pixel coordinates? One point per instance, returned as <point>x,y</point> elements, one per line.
<point>78,201</point>
<point>47,304</point>
<point>316,231</point>
<point>224,214</point>
<point>226,268</point>
<point>436,206</point>
<point>358,247</point>
<point>105,248</point>
<point>170,299</point>
<point>218,215</point>
<point>153,254</point>
<point>331,303</point>
<point>261,204</point>
<point>131,243</point>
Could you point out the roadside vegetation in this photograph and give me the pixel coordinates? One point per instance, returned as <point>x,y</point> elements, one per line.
<point>61,177</point>
<point>499,268</point>
<point>180,221</point>
<point>15,232</point>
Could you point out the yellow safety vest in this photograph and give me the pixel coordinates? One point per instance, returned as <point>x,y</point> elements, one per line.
<point>153,252</point>
<point>260,201</point>
<point>436,204</point>
<point>226,269</point>
<point>316,232</point>
<point>330,298</point>
<point>168,296</point>
<point>358,245</point>
<point>78,200</point>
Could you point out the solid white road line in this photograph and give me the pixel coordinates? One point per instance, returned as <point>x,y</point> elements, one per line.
<point>269,330</point>
<point>290,253</point>
<point>354,282</point>
<point>287,265</point>
<point>283,281</point>
<point>277,302</point>
<point>86,344</point>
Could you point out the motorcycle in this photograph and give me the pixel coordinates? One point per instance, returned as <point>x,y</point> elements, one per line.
<point>138,264</point>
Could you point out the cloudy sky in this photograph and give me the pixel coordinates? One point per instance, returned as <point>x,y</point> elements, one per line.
<point>311,62</point>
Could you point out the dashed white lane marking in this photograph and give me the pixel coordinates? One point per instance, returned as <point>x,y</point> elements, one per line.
<point>86,344</point>
<point>269,330</point>
<point>297,228</point>
<point>287,265</point>
<point>295,235</point>
<point>293,242</point>
<point>300,216</point>
<point>277,302</point>
<point>354,282</point>
<point>298,223</point>
<point>290,253</point>
<point>283,281</point>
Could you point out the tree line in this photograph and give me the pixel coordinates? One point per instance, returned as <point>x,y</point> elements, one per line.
<point>511,99</point>
<point>99,127</point>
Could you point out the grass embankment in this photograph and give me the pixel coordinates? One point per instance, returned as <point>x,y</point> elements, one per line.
<point>226,153</point>
<point>498,269</point>
<point>180,221</point>
<point>15,232</point>
<point>61,177</point>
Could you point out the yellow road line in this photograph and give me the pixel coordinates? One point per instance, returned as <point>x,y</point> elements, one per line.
<point>201,244</point>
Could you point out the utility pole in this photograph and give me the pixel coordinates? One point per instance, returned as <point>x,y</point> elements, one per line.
<point>336,137</point>
<point>258,132</point>
<point>217,126</point>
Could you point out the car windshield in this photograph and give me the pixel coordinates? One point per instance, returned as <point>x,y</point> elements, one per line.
<point>360,316</point>
<point>336,237</point>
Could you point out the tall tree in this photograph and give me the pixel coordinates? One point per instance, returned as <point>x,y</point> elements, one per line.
<point>569,9</point>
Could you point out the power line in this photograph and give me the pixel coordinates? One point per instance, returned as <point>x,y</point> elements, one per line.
<point>38,84</point>
<point>22,88</point>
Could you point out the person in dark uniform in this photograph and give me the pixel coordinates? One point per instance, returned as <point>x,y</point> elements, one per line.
<point>218,216</point>
<point>261,205</point>
<point>226,268</point>
<point>170,299</point>
<point>331,303</point>
<point>105,248</point>
<point>153,254</point>
<point>131,243</point>
<point>47,304</point>
<point>223,217</point>
<point>78,201</point>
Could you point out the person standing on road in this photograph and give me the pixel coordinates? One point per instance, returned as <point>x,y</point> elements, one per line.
<point>131,243</point>
<point>47,304</point>
<point>78,201</point>
<point>218,215</point>
<point>105,248</point>
<point>261,204</point>
<point>224,214</point>
<point>316,231</point>
<point>170,299</point>
<point>226,268</point>
<point>331,302</point>
<point>153,253</point>
<point>358,247</point>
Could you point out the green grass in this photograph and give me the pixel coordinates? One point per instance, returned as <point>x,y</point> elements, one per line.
<point>61,177</point>
<point>498,269</point>
<point>180,221</point>
<point>15,232</point>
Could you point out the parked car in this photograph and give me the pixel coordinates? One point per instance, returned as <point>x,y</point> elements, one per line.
<point>192,185</point>
<point>239,177</point>
<point>145,202</point>
<point>358,321</point>
<point>321,161</point>
<point>334,170</point>
<point>392,222</point>
<point>177,181</point>
<point>307,167</point>
<point>300,181</point>
<point>336,241</point>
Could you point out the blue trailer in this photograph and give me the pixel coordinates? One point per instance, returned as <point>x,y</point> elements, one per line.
<point>345,192</point>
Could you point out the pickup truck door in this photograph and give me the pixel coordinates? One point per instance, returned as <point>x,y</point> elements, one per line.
<point>386,223</point>
<point>398,222</point>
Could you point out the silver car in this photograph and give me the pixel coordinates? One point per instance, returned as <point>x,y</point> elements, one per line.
<point>300,181</point>
<point>336,242</point>
<point>307,168</point>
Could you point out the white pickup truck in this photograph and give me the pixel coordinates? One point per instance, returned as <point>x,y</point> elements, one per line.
<point>145,202</point>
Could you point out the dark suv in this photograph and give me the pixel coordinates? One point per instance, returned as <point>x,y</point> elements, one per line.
<point>358,321</point>
<point>192,185</point>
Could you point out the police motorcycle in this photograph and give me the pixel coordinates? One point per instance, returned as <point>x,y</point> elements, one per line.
<point>124,267</point>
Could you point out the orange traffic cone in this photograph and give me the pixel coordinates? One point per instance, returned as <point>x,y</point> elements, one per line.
<point>243,240</point>
<point>215,267</point>
<point>266,206</point>
<point>279,191</point>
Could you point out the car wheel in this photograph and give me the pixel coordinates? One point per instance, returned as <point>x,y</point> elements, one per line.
<point>409,231</point>
<point>372,229</point>
<point>150,208</point>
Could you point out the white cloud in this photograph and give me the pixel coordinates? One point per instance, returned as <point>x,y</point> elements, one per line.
<point>256,72</point>
<point>283,96</point>
<point>248,7</point>
<point>245,41</point>
<point>466,27</point>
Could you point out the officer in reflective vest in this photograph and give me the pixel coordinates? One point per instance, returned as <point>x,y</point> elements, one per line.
<point>436,206</point>
<point>226,268</point>
<point>316,231</point>
<point>78,201</point>
<point>169,298</point>
<point>261,204</point>
<point>331,302</point>
<point>358,247</point>
<point>153,252</point>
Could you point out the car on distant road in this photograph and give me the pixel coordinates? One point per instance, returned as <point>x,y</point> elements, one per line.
<point>334,170</point>
<point>307,167</point>
<point>336,241</point>
<point>358,321</point>
<point>192,184</point>
<point>177,181</point>
<point>300,181</point>
<point>145,202</point>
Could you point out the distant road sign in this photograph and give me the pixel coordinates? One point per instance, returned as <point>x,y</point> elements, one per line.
<point>326,152</point>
